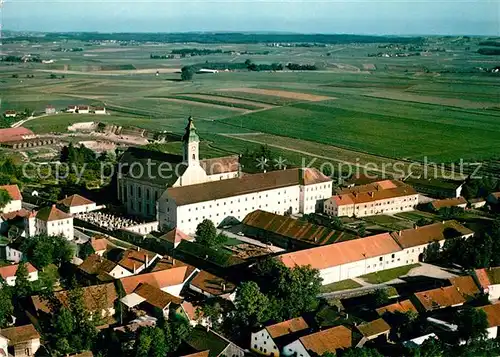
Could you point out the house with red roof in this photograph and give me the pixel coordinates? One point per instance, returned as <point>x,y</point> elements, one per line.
<point>8,273</point>
<point>489,281</point>
<point>9,135</point>
<point>174,237</point>
<point>10,114</point>
<point>51,221</point>
<point>270,340</point>
<point>16,199</point>
<point>100,110</point>
<point>77,204</point>
<point>493,315</point>
<point>19,341</point>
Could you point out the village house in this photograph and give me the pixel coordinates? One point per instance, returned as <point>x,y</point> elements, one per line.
<point>373,330</point>
<point>201,340</point>
<point>136,260</point>
<point>101,269</point>
<point>100,110</point>
<point>460,202</point>
<point>489,282</point>
<point>466,285</point>
<point>83,109</point>
<point>8,273</point>
<point>477,203</point>
<point>174,237</point>
<point>19,341</point>
<point>151,299</point>
<point>16,199</point>
<point>213,286</point>
<point>191,313</point>
<point>400,306</point>
<point>50,221</point>
<point>350,259</point>
<point>439,298</point>
<point>438,188</point>
<point>289,233</point>
<point>13,250</point>
<point>98,299</point>
<point>271,339</point>
<point>170,280</point>
<point>71,109</point>
<point>10,114</point>
<point>77,204</point>
<point>353,258</point>
<point>99,244</point>
<point>383,197</point>
<point>49,109</point>
<point>316,344</point>
<point>493,315</point>
<point>415,240</point>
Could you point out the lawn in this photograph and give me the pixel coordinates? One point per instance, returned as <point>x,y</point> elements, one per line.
<point>415,216</point>
<point>388,275</point>
<point>340,285</point>
<point>439,132</point>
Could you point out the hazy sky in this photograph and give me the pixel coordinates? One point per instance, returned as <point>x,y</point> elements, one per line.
<point>479,17</point>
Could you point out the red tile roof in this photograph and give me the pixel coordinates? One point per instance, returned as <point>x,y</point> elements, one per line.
<point>342,253</point>
<point>198,354</point>
<point>465,285</point>
<point>20,334</point>
<point>98,243</point>
<point>156,297</point>
<point>293,228</point>
<point>75,201</point>
<point>22,213</point>
<point>168,262</point>
<point>328,340</point>
<point>14,134</point>
<point>492,313</point>
<point>433,232</point>
<point>13,191</point>
<point>381,190</point>
<point>191,310</point>
<point>448,202</point>
<point>176,236</point>
<point>160,279</point>
<point>400,306</point>
<point>95,297</point>
<point>212,284</point>
<point>440,298</point>
<point>287,327</point>
<point>482,278</point>
<point>221,165</point>
<point>52,213</point>
<point>185,195</point>
<point>133,259</point>
<point>10,270</point>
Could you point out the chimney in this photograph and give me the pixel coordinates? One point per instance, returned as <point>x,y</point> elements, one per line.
<point>223,286</point>
<point>138,249</point>
<point>399,233</point>
<point>370,194</point>
<point>147,260</point>
<point>173,261</point>
<point>134,268</point>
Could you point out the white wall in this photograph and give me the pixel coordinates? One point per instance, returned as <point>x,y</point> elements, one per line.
<point>13,255</point>
<point>386,206</point>
<point>262,343</point>
<point>144,228</point>
<point>12,206</point>
<point>174,290</point>
<point>120,272</point>
<point>187,217</point>
<point>494,292</point>
<point>295,349</point>
<point>83,209</point>
<point>492,332</point>
<point>11,280</point>
<point>62,227</point>
<point>314,196</point>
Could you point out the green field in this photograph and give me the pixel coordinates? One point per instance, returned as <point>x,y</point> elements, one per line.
<point>388,275</point>
<point>380,110</point>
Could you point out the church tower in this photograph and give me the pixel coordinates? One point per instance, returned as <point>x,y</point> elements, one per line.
<point>191,143</point>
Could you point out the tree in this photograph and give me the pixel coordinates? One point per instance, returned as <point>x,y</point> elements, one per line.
<point>4,198</point>
<point>52,76</point>
<point>43,250</point>
<point>23,285</point>
<point>6,307</point>
<point>86,250</point>
<point>360,352</point>
<point>472,324</point>
<point>252,305</point>
<point>380,297</point>
<point>206,234</point>
<point>432,252</point>
<point>362,229</point>
<point>187,73</point>
<point>150,342</point>
<point>431,347</point>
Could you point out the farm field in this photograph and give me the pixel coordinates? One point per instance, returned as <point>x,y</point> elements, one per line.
<point>354,109</point>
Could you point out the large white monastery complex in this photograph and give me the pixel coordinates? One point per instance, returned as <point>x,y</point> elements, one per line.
<point>181,191</point>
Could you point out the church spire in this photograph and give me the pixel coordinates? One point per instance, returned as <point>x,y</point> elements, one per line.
<point>191,142</point>
<point>190,134</point>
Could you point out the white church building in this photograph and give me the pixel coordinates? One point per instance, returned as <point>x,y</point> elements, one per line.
<point>184,190</point>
